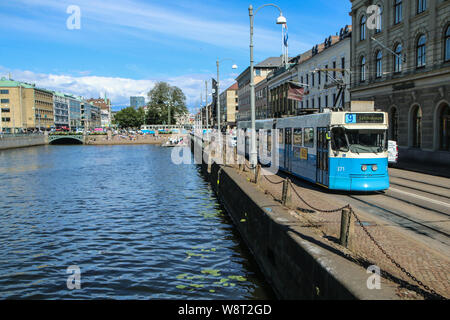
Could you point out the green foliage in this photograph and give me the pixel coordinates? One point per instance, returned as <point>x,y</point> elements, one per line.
<point>129,118</point>
<point>162,98</point>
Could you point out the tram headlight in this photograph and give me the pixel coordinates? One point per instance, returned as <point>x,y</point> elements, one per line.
<point>374,167</point>
<point>364,167</point>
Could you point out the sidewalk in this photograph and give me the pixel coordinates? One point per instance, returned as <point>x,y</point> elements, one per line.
<point>429,266</point>
<point>421,167</point>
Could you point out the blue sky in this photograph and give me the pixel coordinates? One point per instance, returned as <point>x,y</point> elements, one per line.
<point>124,46</point>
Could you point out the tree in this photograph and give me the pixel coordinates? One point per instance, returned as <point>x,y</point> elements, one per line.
<point>130,118</point>
<point>161,97</point>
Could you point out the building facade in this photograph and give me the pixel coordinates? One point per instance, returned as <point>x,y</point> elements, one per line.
<point>24,107</point>
<point>261,70</point>
<point>229,105</point>
<point>61,110</point>
<point>105,110</point>
<point>74,112</point>
<point>403,65</point>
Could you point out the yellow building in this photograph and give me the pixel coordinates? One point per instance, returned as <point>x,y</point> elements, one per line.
<point>24,107</point>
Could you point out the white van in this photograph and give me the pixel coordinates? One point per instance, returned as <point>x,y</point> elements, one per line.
<point>392,152</point>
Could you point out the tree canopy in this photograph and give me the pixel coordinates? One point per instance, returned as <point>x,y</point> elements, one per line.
<point>130,118</point>
<point>162,97</point>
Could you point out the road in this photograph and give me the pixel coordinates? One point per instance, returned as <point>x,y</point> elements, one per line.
<point>417,203</point>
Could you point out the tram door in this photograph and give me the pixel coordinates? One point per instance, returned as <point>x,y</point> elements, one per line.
<point>322,168</point>
<point>288,149</point>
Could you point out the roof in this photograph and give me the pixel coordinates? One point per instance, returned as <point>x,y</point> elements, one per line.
<point>233,87</point>
<point>271,62</point>
<point>11,83</point>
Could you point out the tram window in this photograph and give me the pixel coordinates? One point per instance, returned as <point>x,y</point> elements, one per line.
<point>309,137</point>
<point>280,136</point>
<point>339,141</point>
<point>366,141</point>
<point>298,137</point>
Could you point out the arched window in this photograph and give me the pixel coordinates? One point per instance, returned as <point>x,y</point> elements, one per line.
<point>421,51</point>
<point>363,69</point>
<point>398,58</point>
<point>444,122</point>
<point>447,44</point>
<point>362,29</point>
<point>379,64</point>
<point>393,124</point>
<point>417,127</point>
<point>379,20</point>
<point>398,11</point>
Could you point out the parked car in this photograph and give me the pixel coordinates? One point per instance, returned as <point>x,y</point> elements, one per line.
<point>392,152</point>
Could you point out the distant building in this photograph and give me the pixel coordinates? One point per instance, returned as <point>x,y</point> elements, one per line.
<point>61,110</point>
<point>261,70</point>
<point>137,102</point>
<point>74,112</point>
<point>24,107</point>
<point>229,105</point>
<point>105,110</point>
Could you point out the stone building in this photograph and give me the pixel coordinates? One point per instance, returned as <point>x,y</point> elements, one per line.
<point>401,61</point>
<point>321,71</point>
<point>261,70</point>
<point>105,110</point>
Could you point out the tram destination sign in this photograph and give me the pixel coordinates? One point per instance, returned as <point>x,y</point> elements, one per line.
<point>364,118</point>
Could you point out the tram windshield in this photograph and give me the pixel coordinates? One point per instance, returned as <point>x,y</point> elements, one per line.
<point>359,141</point>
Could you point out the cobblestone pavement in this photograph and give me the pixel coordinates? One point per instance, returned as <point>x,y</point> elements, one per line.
<point>429,266</point>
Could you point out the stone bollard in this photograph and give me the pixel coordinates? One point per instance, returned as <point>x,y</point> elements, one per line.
<point>347,227</point>
<point>257,174</point>
<point>286,196</point>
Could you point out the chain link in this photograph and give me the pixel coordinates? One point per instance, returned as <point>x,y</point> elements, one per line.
<point>279,182</point>
<point>402,269</point>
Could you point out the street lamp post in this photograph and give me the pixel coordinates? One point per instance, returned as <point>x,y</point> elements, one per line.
<point>280,20</point>
<point>218,92</point>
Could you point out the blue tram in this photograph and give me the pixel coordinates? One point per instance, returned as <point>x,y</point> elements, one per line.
<point>337,150</point>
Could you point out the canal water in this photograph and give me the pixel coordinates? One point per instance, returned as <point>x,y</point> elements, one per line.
<point>136,226</point>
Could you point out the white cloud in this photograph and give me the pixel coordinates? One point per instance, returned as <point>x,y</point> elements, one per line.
<point>117,89</point>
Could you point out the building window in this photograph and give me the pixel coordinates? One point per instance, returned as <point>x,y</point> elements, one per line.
<point>398,58</point>
<point>312,79</point>
<point>421,6</point>
<point>326,74</point>
<point>363,69</point>
<point>398,11</point>
<point>307,79</point>
<point>258,72</point>
<point>444,131</point>
<point>421,51</point>
<point>4,91</point>
<point>379,20</point>
<point>362,29</point>
<point>343,66</point>
<point>447,44</point>
<point>379,64</point>
<point>6,110</point>
<point>334,71</point>
<point>417,127</point>
<point>4,101</point>
<point>319,77</point>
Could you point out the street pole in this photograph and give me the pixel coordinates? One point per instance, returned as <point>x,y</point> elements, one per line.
<point>253,153</point>
<point>206,106</point>
<point>218,98</point>
<point>281,20</point>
